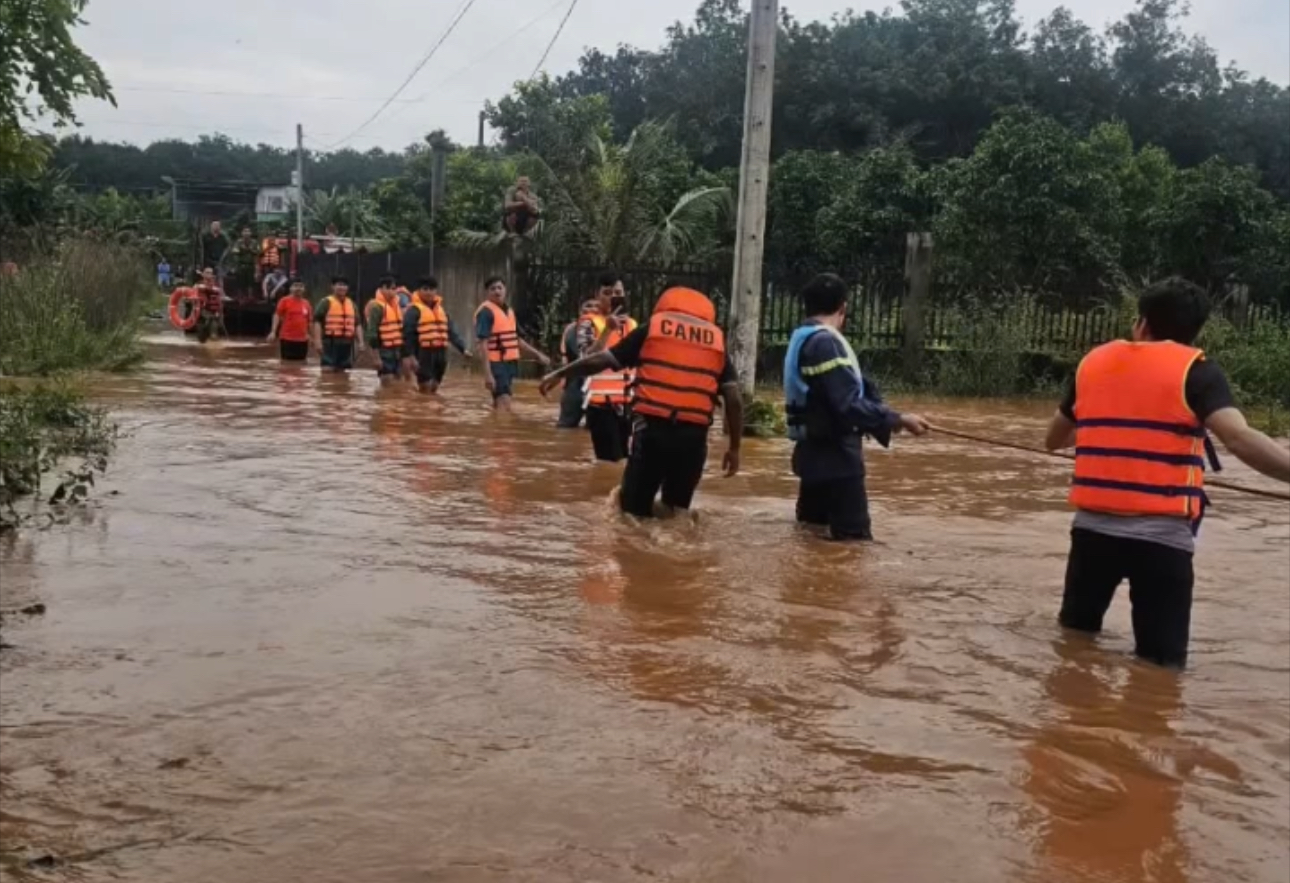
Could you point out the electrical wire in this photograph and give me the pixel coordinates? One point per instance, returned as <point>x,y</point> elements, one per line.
<point>452,26</point>
<point>559,30</point>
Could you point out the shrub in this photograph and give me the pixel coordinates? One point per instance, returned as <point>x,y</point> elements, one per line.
<point>76,308</point>
<point>987,354</point>
<point>43,429</point>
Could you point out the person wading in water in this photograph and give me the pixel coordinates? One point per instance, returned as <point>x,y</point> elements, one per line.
<point>500,343</point>
<point>682,369</point>
<point>427,331</point>
<point>291,320</point>
<point>1137,415</point>
<point>571,411</point>
<point>336,328</point>
<point>384,319</point>
<point>605,394</point>
<point>211,320</point>
<point>830,407</point>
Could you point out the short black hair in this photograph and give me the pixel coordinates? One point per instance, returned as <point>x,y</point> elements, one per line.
<point>428,282</point>
<point>488,283</point>
<point>824,295</point>
<point>386,280</point>
<point>295,280</point>
<point>1174,309</point>
<point>339,280</point>
<point>608,279</point>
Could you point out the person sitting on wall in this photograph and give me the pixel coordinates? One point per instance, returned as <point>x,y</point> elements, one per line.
<point>521,208</point>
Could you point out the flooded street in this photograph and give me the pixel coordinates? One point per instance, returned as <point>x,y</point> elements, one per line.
<point>306,632</point>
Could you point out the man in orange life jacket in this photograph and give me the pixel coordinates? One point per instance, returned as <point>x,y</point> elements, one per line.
<point>384,320</point>
<point>605,394</point>
<point>682,368</point>
<point>212,300</point>
<point>571,409</point>
<point>336,328</point>
<point>1137,415</point>
<point>500,343</point>
<point>427,331</point>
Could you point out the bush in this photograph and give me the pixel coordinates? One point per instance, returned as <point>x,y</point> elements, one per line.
<point>43,429</point>
<point>76,308</point>
<point>1256,360</point>
<point>988,351</point>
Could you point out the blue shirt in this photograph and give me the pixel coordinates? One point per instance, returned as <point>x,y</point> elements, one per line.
<point>848,407</point>
<point>163,273</point>
<point>484,322</point>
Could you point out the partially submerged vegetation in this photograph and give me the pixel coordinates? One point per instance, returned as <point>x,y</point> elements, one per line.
<point>74,309</point>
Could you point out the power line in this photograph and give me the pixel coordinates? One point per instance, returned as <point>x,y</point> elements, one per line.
<point>559,30</point>
<point>220,92</point>
<point>452,26</point>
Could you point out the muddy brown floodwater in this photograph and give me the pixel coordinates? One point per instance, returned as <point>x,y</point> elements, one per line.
<point>323,635</point>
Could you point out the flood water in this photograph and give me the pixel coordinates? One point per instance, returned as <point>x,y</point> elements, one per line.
<point>306,632</point>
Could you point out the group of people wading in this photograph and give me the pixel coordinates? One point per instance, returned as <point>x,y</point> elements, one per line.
<point>1138,414</point>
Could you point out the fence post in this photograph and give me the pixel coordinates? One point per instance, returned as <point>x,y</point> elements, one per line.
<point>1239,296</point>
<point>918,287</point>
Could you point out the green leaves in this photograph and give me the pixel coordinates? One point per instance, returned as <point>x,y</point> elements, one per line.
<point>42,73</point>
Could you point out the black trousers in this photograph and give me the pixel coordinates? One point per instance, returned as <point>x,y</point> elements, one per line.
<point>1160,590</point>
<point>664,457</point>
<point>610,431</point>
<point>840,504</point>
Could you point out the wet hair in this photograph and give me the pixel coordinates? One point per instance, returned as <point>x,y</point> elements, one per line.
<point>824,295</point>
<point>1174,309</point>
<point>339,280</point>
<point>386,280</point>
<point>429,282</point>
<point>492,280</point>
<point>608,279</point>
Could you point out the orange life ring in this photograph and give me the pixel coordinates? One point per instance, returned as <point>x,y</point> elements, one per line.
<point>177,316</point>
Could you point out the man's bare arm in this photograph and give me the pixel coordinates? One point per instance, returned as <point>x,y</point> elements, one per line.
<point>1248,445</point>
<point>1061,433</point>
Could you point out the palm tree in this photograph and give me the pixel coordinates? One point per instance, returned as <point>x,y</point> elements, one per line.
<point>613,211</point>
<point>352,211</point>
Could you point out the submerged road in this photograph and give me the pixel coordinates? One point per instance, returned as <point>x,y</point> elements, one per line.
<point>306,632</point>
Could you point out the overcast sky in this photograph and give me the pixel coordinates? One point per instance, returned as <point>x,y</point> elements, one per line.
<point>162,61</point>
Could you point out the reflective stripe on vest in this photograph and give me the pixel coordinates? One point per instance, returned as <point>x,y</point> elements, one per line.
<point>432,323</point>
<point>270,256</point>
<point>610,388</point>
<point>339,321</point>
<point>1139,449</point>
<point>680,369</point>
<point>504,342</point>
<point>390,330</point>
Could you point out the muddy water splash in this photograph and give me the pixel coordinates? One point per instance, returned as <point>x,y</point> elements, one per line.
<point>327,635</point>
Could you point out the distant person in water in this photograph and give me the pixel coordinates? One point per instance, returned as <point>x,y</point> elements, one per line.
<point>500,344</point>
<point>163,273</point>
<point>571,408</point>
<point>291,320</point>
<point>427,332</point>
<point>384,319</point>
<point>274,284</point>
<point>336,328</point>
<point>211,320</point>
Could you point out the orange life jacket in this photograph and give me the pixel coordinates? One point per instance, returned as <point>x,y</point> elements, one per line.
<point>269,256</point>
<point>339,322</point>
<point>1139,449</point>
<point>432,322</point>
<point>504,341</point>
<point>390,328</point>
<point>681,361</point>
<point>610,388</point>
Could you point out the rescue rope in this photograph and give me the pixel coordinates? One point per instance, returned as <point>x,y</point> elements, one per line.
<point>1062,455</point>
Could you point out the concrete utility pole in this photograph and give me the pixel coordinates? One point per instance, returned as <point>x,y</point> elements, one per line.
<point>754,178</point>
<point>482,117</point>
<point>300,192</point>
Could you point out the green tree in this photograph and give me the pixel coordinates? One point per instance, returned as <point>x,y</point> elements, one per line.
<point>538,120</point>
<point>42,73</point>
<point>1031,208</point>
<point>884,196</point>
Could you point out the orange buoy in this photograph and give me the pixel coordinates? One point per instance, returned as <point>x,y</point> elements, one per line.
<point>181,319</point>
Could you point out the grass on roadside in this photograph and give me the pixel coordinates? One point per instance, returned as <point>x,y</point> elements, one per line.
<point>77,308</point>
